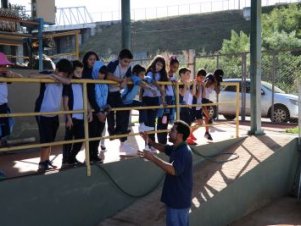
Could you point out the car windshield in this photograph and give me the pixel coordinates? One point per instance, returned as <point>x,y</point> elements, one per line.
<point>269,86</point>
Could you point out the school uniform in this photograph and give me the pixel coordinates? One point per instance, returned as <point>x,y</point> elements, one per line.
<point>168,112</point>
<point>205,99</point>
<point>116,119</point>
<point>149,98</point>
<point>97,95</point>
<point>199,100</point>
<point>128,99</point>
<point>49,100</point>
<point>6,122</point>
<point>186,113</point>
<point>74,92</point>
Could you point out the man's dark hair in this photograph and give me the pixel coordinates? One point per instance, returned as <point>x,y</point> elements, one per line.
<point>218,75</point>
<point>173,60</point>
<point>103,70</point>
<point>125,53</point>
<point>77,63</point>
<point>201,72</point>
<point>65,66</point>
<point>183,70</point>
<point>183,128</point>
<point>137,69</point>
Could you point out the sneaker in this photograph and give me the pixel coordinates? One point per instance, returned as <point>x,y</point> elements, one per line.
<point>50,165</point>
<point>66,165</point>
<point>46,165</point>
<point>77,163</point>
<point>43,166</point>
<point>208,136</point>
<point>190,141</point>
<point>2,175</point>
<point>127,149</point>
<point>95,160</point>
<point>143,128</point>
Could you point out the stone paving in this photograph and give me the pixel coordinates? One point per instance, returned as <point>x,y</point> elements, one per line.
<point>209,179</point>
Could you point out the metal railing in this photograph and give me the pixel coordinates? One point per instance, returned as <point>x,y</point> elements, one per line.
<point>183,9</point>
<point>86,139</point>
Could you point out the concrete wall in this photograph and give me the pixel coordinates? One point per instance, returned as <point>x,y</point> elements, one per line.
<point>70,198</point>
<point>271,179</point>
<point>21,99</point>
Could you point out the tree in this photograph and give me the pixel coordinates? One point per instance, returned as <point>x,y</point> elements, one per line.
<point>281,32</point>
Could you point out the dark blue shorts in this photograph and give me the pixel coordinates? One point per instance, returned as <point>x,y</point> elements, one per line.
<point>48,127</point>
<point>198,114</point>
<point>186,115</point>
<point>5,127</point>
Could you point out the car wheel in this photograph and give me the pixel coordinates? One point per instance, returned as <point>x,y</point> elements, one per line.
<point>280,115</point>
<point>229,117</point>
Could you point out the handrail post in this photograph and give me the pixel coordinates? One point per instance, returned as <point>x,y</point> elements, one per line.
<point>40,38</point>
<point>77,45</point>
<point>177,102</point>
<point>86,129</point>
<point>237,110</point>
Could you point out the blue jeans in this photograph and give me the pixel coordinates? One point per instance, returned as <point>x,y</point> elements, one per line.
<point>177,217</point>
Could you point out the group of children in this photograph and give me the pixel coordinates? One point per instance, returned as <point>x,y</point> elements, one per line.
<point>129,82</point>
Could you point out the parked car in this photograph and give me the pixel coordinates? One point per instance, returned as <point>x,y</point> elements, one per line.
<point>285,105</point>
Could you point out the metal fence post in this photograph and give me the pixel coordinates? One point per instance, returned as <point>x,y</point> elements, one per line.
<point>177,101</point>
<point>40,38</point>
<point>243,85</point>
<point>237,110</point>
<point>77,44</point>
<point>217,94</point>
<point>274,71</point>
<point>299,134</point>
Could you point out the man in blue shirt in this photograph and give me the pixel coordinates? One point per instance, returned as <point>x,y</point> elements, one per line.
<point>177,188</point>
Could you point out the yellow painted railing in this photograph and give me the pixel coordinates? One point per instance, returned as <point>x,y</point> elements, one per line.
<point>86,139</point>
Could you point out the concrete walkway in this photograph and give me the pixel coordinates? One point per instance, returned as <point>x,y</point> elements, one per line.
<point>210,178</point>
<point>25,162</point>
<point>285,211</point>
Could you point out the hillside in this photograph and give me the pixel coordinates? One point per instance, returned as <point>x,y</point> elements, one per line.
<point>202,32</point>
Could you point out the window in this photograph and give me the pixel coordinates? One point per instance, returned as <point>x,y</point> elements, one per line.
<point>232,88</point>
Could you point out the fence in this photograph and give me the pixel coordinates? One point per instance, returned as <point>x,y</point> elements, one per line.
<point>143,13</point>
<point>86,139</point>
<point>182,9</point>
<point>279,68</point>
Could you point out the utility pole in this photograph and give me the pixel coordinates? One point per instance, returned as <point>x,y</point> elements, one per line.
<point>4,4</point>
<point>255,46</point>
<point>126,24</point>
